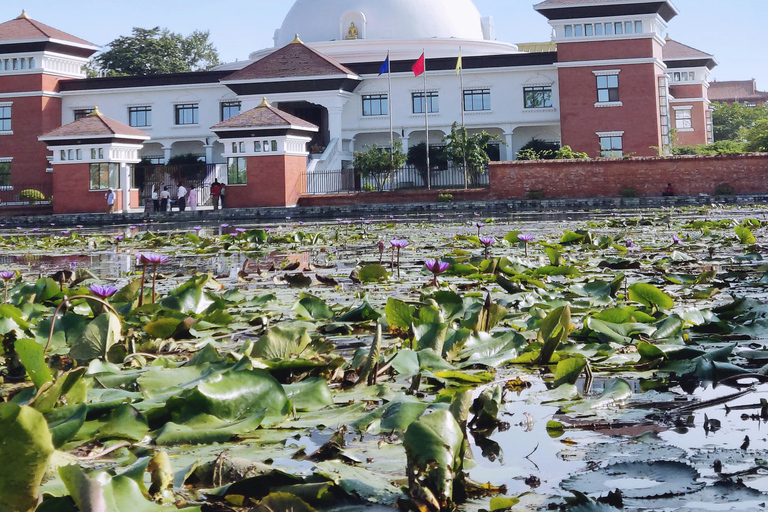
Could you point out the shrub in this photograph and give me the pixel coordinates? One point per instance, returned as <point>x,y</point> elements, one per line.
<point>535,194</point>
<point>445,198</point>
<point>724,189</point>
<point>628,192</point>
<point>32,196</point>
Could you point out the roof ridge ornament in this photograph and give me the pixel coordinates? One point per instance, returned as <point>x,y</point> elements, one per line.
<point>23,15</point>
<point>96,112</point>
<point>297,40</point>
<point>264,102</point>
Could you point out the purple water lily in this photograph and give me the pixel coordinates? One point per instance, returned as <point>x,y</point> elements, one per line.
<point>197,228</point>
<point>6,275</point>
<point>487,241</point>
<point>526,239</point>
<point>102,291</point>
<point>630,244</point>
<point>479,225</point>
<point>65,232</point>
<point>225,225</point>
<point>676,240</point>
<point>397,244</point>
<point>241,230</point>
<point>154,259</point>
<point>437,267</point>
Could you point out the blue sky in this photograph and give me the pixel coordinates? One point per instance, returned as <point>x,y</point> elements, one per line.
<point>736,31</point>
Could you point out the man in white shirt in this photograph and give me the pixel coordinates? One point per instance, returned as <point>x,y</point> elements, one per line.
<point>181,195</point>
<point>110,195</point>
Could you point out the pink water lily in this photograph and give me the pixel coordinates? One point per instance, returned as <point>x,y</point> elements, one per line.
<point>397,244</point>
<point>526,239</point>
<point>6,275</point>
<point>479,225</point>
<point>154,259</point>
<point>676,240</point>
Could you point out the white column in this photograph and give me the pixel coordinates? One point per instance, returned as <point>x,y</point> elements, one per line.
<point>352,146</point>
<point>508,149</point>
<point>404,140</point>
<point>208,153</point>
<point>334,122</point>
<point>167,154</point>
<point>125,185</point>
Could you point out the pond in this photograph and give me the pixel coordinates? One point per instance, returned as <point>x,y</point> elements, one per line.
<point>577,354</point>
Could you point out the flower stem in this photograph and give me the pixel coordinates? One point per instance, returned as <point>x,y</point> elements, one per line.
<point>141,288</point>
<point>154,278</point>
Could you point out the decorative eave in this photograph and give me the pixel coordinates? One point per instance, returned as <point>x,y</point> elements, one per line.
<point>264,118</point>
<point>23,30</point>
<point>577,9</point>
<point>94,128</point>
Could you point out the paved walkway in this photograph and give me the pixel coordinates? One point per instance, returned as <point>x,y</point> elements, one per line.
<point>356,211</point>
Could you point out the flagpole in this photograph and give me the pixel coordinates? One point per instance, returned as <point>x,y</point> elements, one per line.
<point>463,127</point>
<point>389,96</point>
<point>426,121</point>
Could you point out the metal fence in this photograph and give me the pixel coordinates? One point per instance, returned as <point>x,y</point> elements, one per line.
<point>23,194</point>
<point>348,181</point>
<point>197,177</point>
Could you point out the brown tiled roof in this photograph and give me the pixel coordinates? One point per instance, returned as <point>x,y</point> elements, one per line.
<point>24,27</point>
<point>290,61</point>
<point>263,116</point>
<point>674,50</point>
<point>736,90</point>
<point>95,125</point>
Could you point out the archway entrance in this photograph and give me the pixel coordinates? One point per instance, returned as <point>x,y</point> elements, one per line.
<point>315,114</point>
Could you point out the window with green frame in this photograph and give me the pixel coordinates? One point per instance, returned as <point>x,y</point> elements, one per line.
<point>105,176</point>
<point>5,174</point>
<point>237,168</point>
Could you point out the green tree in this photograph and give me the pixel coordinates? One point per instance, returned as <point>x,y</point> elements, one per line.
<point>417,157</point>
<point>157,51</point>
<point>729,120</point>
<point>757,136</point>
<point>379,164</point>
<point>470,149</point>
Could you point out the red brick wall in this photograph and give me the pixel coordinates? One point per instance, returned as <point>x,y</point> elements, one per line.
<point>638,116</point>
<point>688,91</point>
<point>273,180</point>
<point>698,121</point>
<point>689,175</point>
<point>600,50</point>
<point>72,194</point>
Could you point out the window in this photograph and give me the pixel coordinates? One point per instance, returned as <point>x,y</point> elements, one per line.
<point>477,100</point>
<point>683,119</point>
<point>569,31</point>
<point>628,25</point>
<point>537,97</point>
<point>588,30</point>
<point>5,118</point>
<point>578,30</point>
<point>82,112</point>
<point>140,116</point>
<point>229,109</point>
<point>611,146</point>
<point>607,88</point>
<point>618,28</point>
<point>599,29</point>
<point>375,105</point>
<point>236,170</point>
<point>105,176</point>
<point>5,174</point>
<point>186,113</point>
<point>638,27</point>
<point>79,154</point>
<point>609,29</point>
<point>433,102</point>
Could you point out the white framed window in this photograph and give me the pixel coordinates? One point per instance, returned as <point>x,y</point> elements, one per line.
<point>5,173</point>
<point>537,96</point>
<point>140,116</point>
<point>433,102</point>
<point>186,113</point>
<point>229,109</point>
<point>611,144</point>
<point>477,100</point>
<point>375,105</point>
<point>5,117</point>
<point>683,121</point>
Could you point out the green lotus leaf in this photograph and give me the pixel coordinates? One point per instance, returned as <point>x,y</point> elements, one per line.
<point>310,394</point>
<point>554,330</point>
<point>399,315</point>
<point>125,422</point>
<point>568,370</point>
<point>32,357</point>
<point>97,338</point>
<point>312,307</point>
<point>205,429</point>
<point>25,448</point>
<point>650,296</point>
<point>373,273</point>
<point>64,423</point>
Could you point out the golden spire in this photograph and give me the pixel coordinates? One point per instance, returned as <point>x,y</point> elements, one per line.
<point>23,15</point>
<point>96,112</point>
<point>264,102</point>
<point>297,40</point>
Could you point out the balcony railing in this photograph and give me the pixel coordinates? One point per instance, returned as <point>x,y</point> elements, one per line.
<point>348,181</point>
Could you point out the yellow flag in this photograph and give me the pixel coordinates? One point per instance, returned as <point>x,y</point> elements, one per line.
<point>458,63</point>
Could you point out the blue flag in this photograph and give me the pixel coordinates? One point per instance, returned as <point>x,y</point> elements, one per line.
<point>384,66</point>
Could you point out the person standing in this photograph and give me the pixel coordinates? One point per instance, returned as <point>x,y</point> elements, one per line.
<point>110,195</point>
<point>192,201</point>
<point>216,193</point>
<point>164,197</point>
<point>181,196</point>
<point>155,199</point>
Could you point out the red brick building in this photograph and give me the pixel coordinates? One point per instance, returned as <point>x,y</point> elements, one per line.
<point>737,91</point>
<point>34,59</point>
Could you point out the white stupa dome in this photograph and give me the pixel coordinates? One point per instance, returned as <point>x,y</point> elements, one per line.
<point>331,20</point>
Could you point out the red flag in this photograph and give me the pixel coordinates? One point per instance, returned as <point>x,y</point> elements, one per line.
<point>418,66</point>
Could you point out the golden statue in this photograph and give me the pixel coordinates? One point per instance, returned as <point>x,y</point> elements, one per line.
<point>352,33</point>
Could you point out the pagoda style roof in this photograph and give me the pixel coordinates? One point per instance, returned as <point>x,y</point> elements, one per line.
<point>677,54</point>
<point>265,116</point>
<point>569,9</point>
<point>295,60</point>
<point>95,126</point>
<point>24,28</point>
<point>736,91</point>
